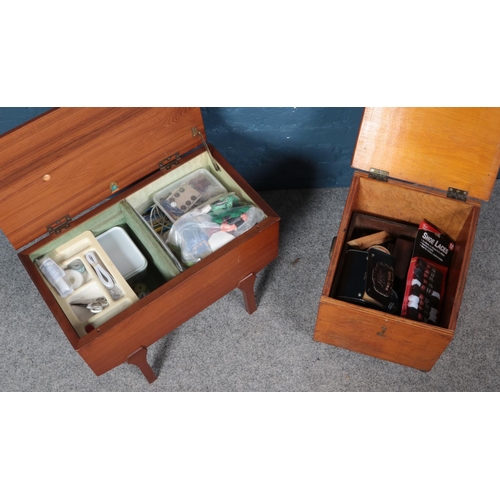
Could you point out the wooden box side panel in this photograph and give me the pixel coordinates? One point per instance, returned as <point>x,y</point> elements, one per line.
<point>380,335</point>
<point>408,203</point>
<point>457,273</point>
<point>341,235</point>
<point>190,293</point>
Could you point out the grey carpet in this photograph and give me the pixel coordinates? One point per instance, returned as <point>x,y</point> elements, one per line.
<point>225,349</point>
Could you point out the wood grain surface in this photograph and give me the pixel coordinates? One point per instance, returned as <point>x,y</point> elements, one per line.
<point>434,147</point>
<point>380,335</point>
<point>65,161</point>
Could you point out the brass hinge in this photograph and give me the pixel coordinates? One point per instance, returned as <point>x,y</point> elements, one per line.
<point>457,194</point>
<point>57,226</point>
<point>169,162</point>
<point>380,175</point>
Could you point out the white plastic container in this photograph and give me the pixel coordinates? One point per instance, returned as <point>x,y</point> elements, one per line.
<point>189,192</point>
<point>123,252</point>
<point>55,276</point>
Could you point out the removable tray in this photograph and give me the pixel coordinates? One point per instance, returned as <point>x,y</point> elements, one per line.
<point>92,287</point>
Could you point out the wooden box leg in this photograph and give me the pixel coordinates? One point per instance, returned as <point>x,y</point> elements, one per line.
<point>246,286</point>
<point>139,359</point>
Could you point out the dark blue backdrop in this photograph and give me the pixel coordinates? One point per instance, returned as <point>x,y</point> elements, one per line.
<point>277,148</point>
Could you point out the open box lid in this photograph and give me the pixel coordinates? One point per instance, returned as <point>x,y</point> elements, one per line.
<point>66,160</point>
<point>440,148</point>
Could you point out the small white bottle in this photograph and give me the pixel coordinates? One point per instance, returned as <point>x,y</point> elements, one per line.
<point>55,276</point>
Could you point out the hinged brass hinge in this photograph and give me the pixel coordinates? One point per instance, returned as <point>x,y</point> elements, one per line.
<point>169,162</point>
<point>457,194</point>
<point>380,175</point>
<point>57,226</point>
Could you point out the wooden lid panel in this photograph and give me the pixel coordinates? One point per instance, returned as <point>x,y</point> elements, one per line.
<point>433,147</point>
<point>64,162</point>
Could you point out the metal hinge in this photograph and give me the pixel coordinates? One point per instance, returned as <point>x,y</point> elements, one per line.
<point>169,162</point>
<point>457,194</point>
<point>381,175</point>
<point>57,226</point>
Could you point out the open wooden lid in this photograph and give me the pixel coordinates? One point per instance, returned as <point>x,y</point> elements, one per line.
<point>435,147</point>
<point>64,161</point>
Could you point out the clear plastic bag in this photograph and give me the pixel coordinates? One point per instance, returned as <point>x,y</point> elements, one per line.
<point>204,230</point>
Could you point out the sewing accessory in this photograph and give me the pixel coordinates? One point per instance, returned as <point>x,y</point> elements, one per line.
<point>141,290</point>
<point>183,197</point>
<point>93,305</point>
<point>73,278</point>
<point>104,276</point>
<point>157,220</point>
<point>77,265</point>
<point>55,276</point>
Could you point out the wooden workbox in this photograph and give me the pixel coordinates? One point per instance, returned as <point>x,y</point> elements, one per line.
<point>412,164</point>
<point>73,173</point>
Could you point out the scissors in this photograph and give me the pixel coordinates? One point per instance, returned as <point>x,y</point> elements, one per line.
<point>93,305</point>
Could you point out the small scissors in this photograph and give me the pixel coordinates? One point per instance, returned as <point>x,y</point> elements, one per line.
<point>93,305</point>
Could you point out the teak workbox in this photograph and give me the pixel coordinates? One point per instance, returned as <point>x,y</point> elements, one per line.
<point>114,159</point>
<point>448,153</point>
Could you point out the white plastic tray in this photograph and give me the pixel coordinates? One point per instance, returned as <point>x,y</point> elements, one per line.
<point>123,252</point>
<point>92,287</point>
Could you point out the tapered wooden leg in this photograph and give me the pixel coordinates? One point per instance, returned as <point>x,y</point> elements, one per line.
<point>246,286</point>
<point>139,359</point>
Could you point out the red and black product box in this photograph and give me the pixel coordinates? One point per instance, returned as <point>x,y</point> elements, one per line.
<point>425,282</point>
